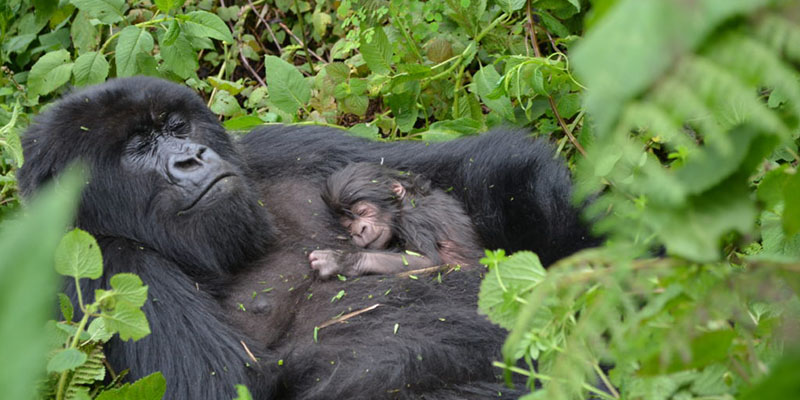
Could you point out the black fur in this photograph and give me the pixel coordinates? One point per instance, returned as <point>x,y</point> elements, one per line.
<point>234,267</point>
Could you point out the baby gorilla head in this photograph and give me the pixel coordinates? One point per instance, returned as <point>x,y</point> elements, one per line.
<point>368,199</point>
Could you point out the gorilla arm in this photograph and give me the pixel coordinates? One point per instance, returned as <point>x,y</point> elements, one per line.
<point>181,332</point>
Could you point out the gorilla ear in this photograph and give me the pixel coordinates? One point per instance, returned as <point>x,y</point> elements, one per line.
<point>398,189</point>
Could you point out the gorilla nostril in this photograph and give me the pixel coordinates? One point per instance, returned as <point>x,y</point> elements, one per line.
<point>188,164</point>
<point>201,151</point>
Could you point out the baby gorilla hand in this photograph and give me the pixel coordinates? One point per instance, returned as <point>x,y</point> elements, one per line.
<point>326,262</point>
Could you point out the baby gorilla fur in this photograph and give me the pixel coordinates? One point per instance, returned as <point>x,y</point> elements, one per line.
<point>399,219</point>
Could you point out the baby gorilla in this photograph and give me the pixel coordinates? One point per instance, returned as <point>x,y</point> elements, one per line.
<point>399,219</point>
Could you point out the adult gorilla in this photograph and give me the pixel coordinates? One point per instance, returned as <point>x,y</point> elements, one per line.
<point>220,231</point>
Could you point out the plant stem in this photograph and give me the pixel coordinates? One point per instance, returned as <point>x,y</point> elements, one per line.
<point>305,39</point>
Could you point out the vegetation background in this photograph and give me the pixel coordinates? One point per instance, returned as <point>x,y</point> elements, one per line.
<point>679,119</point>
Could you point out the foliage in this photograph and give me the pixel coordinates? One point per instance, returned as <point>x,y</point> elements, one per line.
<point>680,123</point>
<point>76,367</point>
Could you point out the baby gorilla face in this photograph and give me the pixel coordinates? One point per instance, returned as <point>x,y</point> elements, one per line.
<point>369,226</point>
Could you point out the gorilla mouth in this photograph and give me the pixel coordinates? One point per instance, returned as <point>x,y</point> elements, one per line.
<point>207,189</point>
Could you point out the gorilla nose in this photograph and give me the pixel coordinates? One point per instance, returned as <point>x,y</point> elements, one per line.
<point>194,165</point>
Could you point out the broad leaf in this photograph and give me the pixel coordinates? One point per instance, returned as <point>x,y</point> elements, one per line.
<point>90,68</point>
<point>288,89</point>
<point>50,72</point>
<point>376,50</point>
<point>66,359</point>
<point>107,11</point>
<point>151,387</point>
<point>205,24</point>
<point>129,321</point>
<point>79,256</point>
<point>132,42</point>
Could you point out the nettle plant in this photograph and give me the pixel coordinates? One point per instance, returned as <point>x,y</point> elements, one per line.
<point>76,367</point>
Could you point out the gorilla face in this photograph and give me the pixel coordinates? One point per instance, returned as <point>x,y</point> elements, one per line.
<point>163,172</point>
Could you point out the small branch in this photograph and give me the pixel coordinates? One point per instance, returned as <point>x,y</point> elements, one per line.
<point>345,317</point>
<point>249,353</point>
<point>538,53</point>
<point>423,271</point>
<point>605,380</point>
<point>297,39</point>
<point>266,24</point>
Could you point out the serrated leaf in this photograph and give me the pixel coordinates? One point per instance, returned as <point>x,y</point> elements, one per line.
<point>172,33</point>
<point>485,81</point>
<point>404,107</point>
<point>320,20</point>
<point>221,84</point>
<point>84,34</point>
<point>129,288</point>
<point>50,72</point>
<point>706,348</point>
<point>242,123</point>
<point>132,41</point>
<point>337,72</point>
<point>511,5</point>
<point>166,5</point>
<point>107,11</point>
<point>152,386</point>
<point>179,56</point>
<point>206,24</point>
<point>97,330</point>
<point>225,104</point>
<point>288,89</point>
<point>377,51</point>
<point>9,132</point>
<point>79,256</point>
<point>356,104</point>
<point>66,359</point>
<point>439,50</point>
<point>369,131</point>
<point>127,320</point>
<point>791,211</point>
<point>67,310</point>
<point>90,68</point>
<point>506,283</point>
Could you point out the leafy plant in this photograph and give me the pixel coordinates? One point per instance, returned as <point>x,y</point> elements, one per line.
<point>76,367</point>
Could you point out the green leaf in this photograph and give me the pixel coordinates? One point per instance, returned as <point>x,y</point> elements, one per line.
<point>243,123</point>
<point>771,188</point>
<point>107,11</point>
<point>404,107</point>
<point>376,50</point>
<point>780,383</point>
<point>67,309</point>
<point>242,393</point>
<point>221,84</point>
<point>90,68</point>
<point>27,244</point>
<point>84,34</point>
<point>129,288</point>
<point>179,55</point>
<point>129,321</point>
<point>206,24</point>
<point>225,104</point>
<point>13,146</point>
<point>791,211</point>
<point>151,387</point>
<point>50,72</point>
<point>707,348</point>
<point>166,5</point>
<point>321,21</point>
<point>97,330</point>
<point>485,81</point>
<point>66,359</point>
<point>510,6</point>
<point>132,41</point>
<point>288,89</point>
<point>79,256</point>
<point>506,284</point>
<point>369,131</point>
<point>172,33</point>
